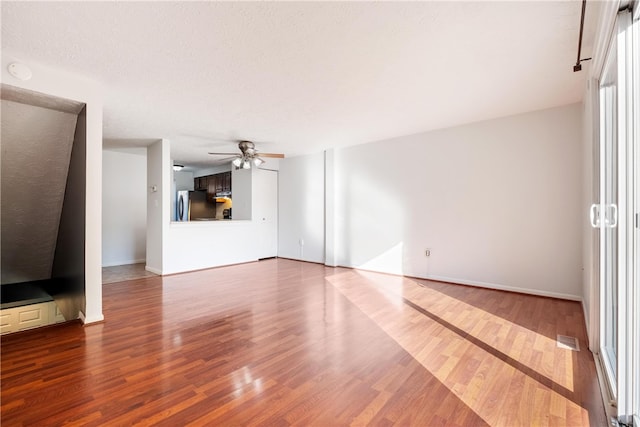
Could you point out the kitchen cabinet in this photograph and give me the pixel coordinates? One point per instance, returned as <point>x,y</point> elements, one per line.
<point>213,184</point>
<point>219,182</point>
<point>211,188</point>
<point>200,183</point>
<point>222,182</point>
<point>226,181</point>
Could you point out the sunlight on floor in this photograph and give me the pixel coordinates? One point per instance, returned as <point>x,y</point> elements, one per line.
<point>508,337</point>
<point>498,368</point>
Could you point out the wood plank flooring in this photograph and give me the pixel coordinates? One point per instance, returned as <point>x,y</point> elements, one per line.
<point>281,342</point>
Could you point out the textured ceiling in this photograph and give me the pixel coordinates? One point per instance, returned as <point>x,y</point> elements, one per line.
<point>36,147</point>
<point>298,77</point>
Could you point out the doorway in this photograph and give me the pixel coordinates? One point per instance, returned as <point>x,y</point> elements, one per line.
<point>609,217</point>
<point>617,219</point>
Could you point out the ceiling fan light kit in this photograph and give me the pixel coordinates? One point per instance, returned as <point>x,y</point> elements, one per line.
<point>249,155</point>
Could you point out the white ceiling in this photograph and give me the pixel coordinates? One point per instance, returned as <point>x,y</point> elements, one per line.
<point>299,77</point>
<point>36,148</point>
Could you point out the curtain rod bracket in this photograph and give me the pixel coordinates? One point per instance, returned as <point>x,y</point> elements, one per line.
<point>578,66</point>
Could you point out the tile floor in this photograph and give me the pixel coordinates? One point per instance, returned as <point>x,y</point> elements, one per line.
<point>120,273</point>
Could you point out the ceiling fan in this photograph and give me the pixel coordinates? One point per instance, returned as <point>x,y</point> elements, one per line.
<point>248,154</point>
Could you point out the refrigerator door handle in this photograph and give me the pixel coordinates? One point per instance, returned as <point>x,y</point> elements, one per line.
<point>181,209</point>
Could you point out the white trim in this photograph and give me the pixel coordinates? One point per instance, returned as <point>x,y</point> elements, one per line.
<point>625,223</point>
<point>499,287</point>
<point>593,318</point>
<point>622,132</point>
<point>585,313</point>
<point>634,297</point>
<point>166,272</point>
<point>125,262</point>
<point>88,320</point>
<point>606,28</point>
<point>94,319</point>
<point>330,256</point>
<point>605,391</point>
<point>153,270</point>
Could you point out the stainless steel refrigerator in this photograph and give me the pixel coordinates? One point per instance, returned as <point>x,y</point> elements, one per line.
<point>192,205</point>
<point>182,206</point>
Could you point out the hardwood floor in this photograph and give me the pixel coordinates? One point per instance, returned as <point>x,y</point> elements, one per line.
<point>281,342</point>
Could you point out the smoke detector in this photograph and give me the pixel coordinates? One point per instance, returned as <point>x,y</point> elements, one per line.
<point>20,71</point>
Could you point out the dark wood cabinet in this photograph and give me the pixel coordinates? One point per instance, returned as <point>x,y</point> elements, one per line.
<point>211,188</point>
<point>213,184</point>
<point>200,183</point>
<point>226,181</point>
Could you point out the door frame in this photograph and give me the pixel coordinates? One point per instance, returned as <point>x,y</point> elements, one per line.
<point>625,392</point>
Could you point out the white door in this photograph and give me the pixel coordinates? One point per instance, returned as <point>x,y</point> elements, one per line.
<point>619,125</point>
<point>265,212</point>
<point>609,217</point>
<point>633,388</point>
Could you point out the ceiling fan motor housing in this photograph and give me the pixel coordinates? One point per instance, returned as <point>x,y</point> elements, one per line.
<point>247,147</point>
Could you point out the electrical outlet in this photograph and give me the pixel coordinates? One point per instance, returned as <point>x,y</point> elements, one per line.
<point>427,252</point>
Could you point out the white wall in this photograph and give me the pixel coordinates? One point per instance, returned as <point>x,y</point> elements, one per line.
<point>590,285</point>
<point>196,245</point>
<point>590,271</point>
<point>175,247</point>
<point>78,88</point>
<point>158,203</point>
<point>301,208</point>
<point>241,185</point>
<point>330,236</point>
<point>498,203</point>
<point>124,206</point>
<point>204,244</point>
<point>183,180</point>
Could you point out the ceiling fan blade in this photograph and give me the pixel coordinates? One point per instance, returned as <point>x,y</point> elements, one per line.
<point>272,155</point>
<point>226,159</point>
<point>224,154</point>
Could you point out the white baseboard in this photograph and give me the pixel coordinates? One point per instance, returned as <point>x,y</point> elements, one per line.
<point>486,285</point>
<point>498,287</point>
<point>87,320</point>
<point>190,270</point>
<point>125,262</point>
<point>586,325</point>
<point>153,270</point>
